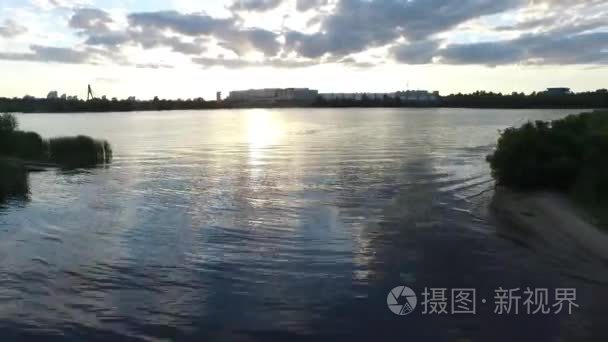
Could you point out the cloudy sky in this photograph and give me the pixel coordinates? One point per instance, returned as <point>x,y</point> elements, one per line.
<point>181,48</point>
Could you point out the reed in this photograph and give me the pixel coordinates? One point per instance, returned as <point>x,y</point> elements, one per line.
<point>13,179</point>
<point>80,151</point>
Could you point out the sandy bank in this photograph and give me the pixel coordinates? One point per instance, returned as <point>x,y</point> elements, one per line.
<point>551,216</point>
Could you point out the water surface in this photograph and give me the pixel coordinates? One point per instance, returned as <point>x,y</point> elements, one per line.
<point>278,224</point>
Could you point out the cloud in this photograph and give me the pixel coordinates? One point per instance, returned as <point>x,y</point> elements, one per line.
<point>59,4</point>
<point>548,48</point>
<point>10,29</point>
<point>255,5</point>
<point>242,63</point>
<point>226,30</point>
<point>417,52</point>
<point>90,21</point>
<point>305,5</point>
<point>356,25</point>
<point>40,53</point>
<point>405,31</point>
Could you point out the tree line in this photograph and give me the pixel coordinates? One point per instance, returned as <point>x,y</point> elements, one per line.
<point>479,99</point>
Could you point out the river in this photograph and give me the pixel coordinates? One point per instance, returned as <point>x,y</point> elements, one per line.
<point>284,224</point>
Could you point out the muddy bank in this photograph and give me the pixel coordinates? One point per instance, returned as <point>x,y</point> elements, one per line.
<point>552,217</point>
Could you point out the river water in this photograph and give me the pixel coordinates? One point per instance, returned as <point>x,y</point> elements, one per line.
<point>286,224</point>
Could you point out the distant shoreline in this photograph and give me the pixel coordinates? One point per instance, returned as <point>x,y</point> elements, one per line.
<point>302,107</point>
<point>477,100</point>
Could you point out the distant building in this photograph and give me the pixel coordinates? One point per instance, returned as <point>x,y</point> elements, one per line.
<point>418,96</point>
<point>218,96</point>
<point>558,91</point>
<point>53,95</point>
<point>131,99</point>
<point>410,95</point>
<point>273,95</point>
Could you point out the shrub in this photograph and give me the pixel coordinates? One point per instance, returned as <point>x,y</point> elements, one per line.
<point>13,179</point>
<point>566,154</point>
<point>80,151</point>
<point>25,145</point>
<point>8,122</point>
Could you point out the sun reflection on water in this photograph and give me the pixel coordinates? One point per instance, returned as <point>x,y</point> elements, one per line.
<point>264,130</point>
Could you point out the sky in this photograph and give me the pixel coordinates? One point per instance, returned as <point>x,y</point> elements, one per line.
<point>190,49</point>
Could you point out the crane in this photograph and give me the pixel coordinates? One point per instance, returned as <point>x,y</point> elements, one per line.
<point>90,93</point>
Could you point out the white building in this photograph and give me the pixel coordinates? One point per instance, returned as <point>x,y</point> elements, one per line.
<point>410,95</point>
<point>273,95</point>
<point>418,96</point>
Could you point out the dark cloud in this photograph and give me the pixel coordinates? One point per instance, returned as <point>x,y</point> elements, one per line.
<point>186,24</point>
<point>10,29</point>
<point>549,48</point>
<point>227,31</point>
<point>305,5</point>
<point>408,28</point>
<point>255,5</point>
<point>417,52</point>
<point>90,21</point>
<point>356,25</point>
<point>529,24</point>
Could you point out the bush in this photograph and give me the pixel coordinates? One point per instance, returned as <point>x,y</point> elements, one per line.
<point>566,154</point>
<point>80,151</point>
<point>8,123</point>
<point>13,179</point>
<point>25,145</point>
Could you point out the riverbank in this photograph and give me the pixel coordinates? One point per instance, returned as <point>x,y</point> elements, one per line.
<point>480,100</point>
<point>553,217</point>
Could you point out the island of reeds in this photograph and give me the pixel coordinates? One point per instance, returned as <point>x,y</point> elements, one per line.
<point>21,152</point>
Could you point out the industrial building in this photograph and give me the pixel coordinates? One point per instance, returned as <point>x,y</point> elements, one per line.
<point>558,91</point>
<point>274,95</point>
<point>409,95</point>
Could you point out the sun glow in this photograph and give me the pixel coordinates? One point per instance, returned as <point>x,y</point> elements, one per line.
<point>264,129</point>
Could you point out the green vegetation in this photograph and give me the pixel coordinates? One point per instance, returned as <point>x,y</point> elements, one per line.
<point>80,151</point>
<point>478,99</point>
<point>567,155</point>
<point>34,105</point>
<point>8,123</point>
<point>18,148</point>
<point>13,179</point>
<point>484,99</point>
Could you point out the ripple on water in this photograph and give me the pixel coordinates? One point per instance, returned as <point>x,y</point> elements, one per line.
<point>263,224</point>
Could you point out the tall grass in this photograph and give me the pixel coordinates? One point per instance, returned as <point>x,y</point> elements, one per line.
<point>24,145</point>
<point>79,151</point>
<point>13,179</point>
